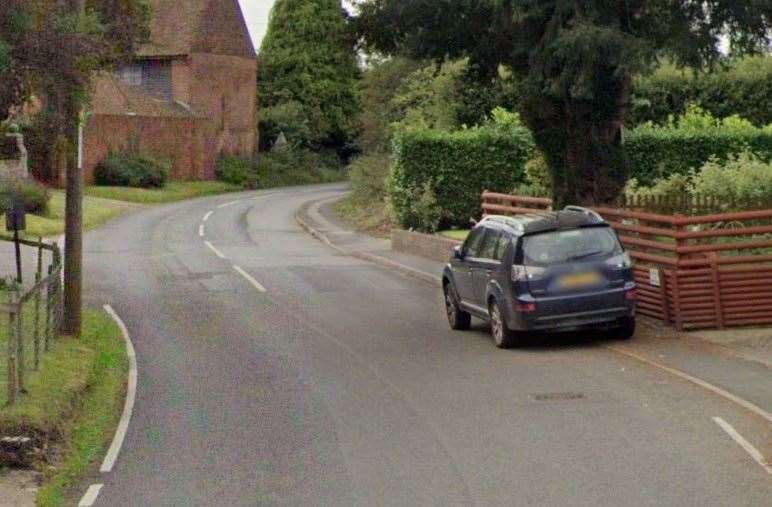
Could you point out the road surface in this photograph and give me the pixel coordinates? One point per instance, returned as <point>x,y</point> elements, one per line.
<point>275,371</point>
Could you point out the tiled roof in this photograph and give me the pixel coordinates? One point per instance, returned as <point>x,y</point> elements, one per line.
<point>179,27</point>
<point>113,96</point>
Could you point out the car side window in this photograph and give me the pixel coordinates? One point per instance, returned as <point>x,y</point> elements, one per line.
<point>501,247</point>
<point>490,245</point>
<point>472,243</point>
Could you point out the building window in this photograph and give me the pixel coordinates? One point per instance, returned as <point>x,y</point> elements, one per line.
<point>131,74</point>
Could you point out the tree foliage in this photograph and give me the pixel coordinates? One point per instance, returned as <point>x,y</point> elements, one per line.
<point>576,58</point>
<point>307,57</point>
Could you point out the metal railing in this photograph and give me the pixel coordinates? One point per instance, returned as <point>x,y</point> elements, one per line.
<point>30,318</point>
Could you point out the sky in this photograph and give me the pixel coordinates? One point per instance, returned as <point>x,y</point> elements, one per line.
<point>256,13</point>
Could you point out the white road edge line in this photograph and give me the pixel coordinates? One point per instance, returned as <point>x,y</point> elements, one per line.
<point>91,495</point>
<point>226,204</point>
<point>201,230</point>
<point>206,217</point>
<point>755,454</point>
<point>249,278</point>
<point>216,251</point>
<point>131,395</point>
<point>694,380</point>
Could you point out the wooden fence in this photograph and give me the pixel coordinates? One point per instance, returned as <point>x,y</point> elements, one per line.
<point>704,271</point>
<point>32,318</point>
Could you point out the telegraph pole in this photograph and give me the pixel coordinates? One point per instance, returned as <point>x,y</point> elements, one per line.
<point>73,226</point>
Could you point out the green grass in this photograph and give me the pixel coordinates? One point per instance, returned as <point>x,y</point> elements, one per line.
<point>457,234</point>
<point>372,217</point>
<point>173,191</point>
<point>95,213</point>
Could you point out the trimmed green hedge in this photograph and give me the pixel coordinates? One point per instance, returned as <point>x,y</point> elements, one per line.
<point>454,168</point>
<point>138,171</point>
<point>742,88</point>
<point>656,152</point>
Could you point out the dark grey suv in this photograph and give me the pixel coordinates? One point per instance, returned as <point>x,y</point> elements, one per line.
<point>556,271</point>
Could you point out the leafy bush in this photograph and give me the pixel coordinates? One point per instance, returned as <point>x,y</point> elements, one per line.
<point>457,167</point>
<point>237,171</point>
<point>687,143</point>
<point>131,171</point>
<point>32,196</point>
<point>743,88</point>
<point>538,180</point>
<point>425,210</point>
<point>298,167</point>
<point>368,175</point>
<point>741,178</point>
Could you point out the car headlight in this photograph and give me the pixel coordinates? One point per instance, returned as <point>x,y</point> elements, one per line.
<point>621,261</point>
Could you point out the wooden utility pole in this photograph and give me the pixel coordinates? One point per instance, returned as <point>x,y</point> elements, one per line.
<point>73,226</point>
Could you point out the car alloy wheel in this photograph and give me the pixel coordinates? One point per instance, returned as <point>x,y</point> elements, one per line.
<point>457,318</point>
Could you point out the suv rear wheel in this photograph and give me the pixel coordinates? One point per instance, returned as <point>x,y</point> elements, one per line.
<point>502,335</point>
<point>457,318</point>
<point>626,330</point>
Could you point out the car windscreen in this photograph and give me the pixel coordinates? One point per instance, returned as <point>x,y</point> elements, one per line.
<point>558,247</point>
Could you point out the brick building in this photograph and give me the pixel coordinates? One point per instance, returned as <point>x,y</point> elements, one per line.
<point>188,96</point>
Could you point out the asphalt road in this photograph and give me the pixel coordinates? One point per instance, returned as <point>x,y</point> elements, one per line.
<point>341,384</point>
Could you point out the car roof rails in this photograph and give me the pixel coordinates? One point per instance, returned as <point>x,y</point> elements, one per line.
<point>585,211</point>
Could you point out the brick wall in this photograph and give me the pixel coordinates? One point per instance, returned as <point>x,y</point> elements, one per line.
<point>425,245</point>
<point>224,90</point>
<point>180,140</point>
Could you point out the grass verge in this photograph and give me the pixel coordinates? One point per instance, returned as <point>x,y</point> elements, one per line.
<point>95,213</point>
<point>372,217</point>
<point>173,191</point>
<point>73,401</point>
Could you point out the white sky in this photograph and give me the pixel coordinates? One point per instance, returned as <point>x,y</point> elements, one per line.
<point>256,13</point>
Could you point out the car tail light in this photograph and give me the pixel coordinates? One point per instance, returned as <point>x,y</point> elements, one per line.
<point>525,307</point>
<point>631,295</point>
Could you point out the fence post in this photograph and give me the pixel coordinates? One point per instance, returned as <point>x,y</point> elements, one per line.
<point>20,366</point>
<point>49,307</point>
<point>13,375</point>
<point>716,289</point>
<point>36,327</point>
<point>663,281</point>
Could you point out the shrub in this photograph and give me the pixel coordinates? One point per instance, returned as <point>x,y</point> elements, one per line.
<point>742,178</point>
<point>457,166</point>
<point>298,167</point>
<point>680,146</point>
<point>368,175</point>
<point>131,171</point>
<point>742,88</point>
<point>237,171</point>
<point>32,196</point>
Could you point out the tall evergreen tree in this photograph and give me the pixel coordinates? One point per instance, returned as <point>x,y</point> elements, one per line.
<point>308,58</point>
<point>576,58</point>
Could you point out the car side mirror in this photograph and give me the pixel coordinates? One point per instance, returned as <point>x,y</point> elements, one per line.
<point>458,253</point>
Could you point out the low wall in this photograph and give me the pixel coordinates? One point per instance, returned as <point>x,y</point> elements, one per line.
<point>424,245</point>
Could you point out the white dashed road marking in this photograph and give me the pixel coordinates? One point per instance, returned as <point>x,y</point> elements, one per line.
<point>131,394</point>
<point>249,278</point>
<point>201,230</point>
<point>216,251</point>
<point>755,454</point>
<point>91,495</point>
<point>225,205</point>
<point>206,217</point>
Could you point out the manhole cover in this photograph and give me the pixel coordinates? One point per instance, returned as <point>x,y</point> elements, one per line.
<point>557,396</point>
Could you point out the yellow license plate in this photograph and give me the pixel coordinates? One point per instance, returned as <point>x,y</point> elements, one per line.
<point>578,280</point>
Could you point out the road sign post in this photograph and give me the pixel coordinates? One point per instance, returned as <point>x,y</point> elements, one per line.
<point>15,221</point>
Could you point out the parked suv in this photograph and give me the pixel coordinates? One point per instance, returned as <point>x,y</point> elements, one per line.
<point>553,271</point>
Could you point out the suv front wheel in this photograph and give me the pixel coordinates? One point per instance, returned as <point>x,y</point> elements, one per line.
<point>457,318</point>
<point>502,335</point>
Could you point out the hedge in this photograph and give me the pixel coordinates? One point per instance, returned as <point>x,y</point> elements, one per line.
<point>656,152</point>
<point>744,88</point>
<point>132,171</point>
<point>456,167</point>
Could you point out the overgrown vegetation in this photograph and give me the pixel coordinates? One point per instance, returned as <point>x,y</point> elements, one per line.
<point>127,170</point>
<point>281,168</point>
<point>29,195</point>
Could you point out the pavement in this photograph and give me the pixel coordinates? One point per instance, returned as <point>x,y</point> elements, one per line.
<point>277,369</point>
